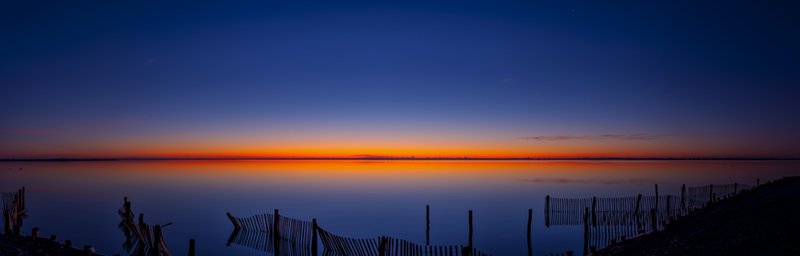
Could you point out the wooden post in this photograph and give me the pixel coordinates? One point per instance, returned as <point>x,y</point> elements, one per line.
<point>547,211</point>
<point>653,220</point>
<point>191,247</point>
<point>275,232</point>
<point>53,237</point>
<point>683,200</point>
<point>465,251</point>
<point>668,199</point>
<point>314,237</point>
<point>758,182</point>
<point>141,218</point>
<point>594,216</point>
<point>530,217</point>
<point>470,228</point>
<point>735,187</point>
<point>382,246</point>
<point>233,220</point>
<point>35,232</point>
<point>636,212</point>
<point>427,225</point>
<point>68,243</point>
<point>656,196</point>
<point>711,192</point>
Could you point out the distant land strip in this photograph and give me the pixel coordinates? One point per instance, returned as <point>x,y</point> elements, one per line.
<point>398,158</point>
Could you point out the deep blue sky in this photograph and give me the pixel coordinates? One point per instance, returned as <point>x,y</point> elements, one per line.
<point>136,78</point>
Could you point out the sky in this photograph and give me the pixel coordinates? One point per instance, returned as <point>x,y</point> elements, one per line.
<point>376,78</point>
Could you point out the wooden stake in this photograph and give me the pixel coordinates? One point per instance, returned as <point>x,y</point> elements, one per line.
<point>656,196</point>
<point>530,216</point>
<point>35,232</point>
<point>382,246</point>
<point>470,228</point>
<point>191,247</point>
<point>594,216</point>
<point>547,211</point>
<point>427,225</point>
<point>314,237</point>
<point>683,200</point>
<point>653,220</point>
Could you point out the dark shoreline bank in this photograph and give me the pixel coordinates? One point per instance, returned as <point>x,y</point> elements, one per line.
<point>762,221</point>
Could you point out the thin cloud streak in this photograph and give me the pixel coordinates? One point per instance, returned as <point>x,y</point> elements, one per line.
<point>599,137</point>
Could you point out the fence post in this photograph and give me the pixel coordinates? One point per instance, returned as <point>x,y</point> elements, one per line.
<point>470,228</point>
<point>653,219</point>
<point>468,250</point>
<point>636,212</point>
<point>547,211</point>
<point>530,216</point>
<point>314,238</point>
<point>594,216</point>
<point>668,199</point>
<point>275,233</point>
<point>191,247</point>
<point>683,201</point>
<point>711,192</point>
<point>656,196</point>
<point>427,225</point>
<point>382,246</point>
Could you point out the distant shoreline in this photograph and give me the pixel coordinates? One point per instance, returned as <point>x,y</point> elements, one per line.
<point>398,159</point>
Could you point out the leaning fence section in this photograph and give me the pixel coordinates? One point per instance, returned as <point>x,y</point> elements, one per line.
<point>141,238</point>
<point>386,246</point>
<point>264,241</point>
<point>298,232</point>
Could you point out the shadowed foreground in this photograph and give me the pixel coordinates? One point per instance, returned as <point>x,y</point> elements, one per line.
<point>763,221</point>
<point>26,245</point>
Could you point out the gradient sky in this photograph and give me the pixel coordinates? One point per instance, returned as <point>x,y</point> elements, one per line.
<point>347,78</point>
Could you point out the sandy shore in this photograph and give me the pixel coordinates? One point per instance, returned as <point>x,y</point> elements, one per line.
<point>762,221</point>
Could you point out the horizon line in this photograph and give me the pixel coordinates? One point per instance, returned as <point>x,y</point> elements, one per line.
<point>387,158</point>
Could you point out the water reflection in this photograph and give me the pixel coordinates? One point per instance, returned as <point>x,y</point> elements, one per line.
<point>384,198</point>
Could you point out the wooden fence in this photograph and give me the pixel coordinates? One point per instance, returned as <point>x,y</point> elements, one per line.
<point>569,211</point>
<point>297,232</point>
<point>387,246</point>
<point>264,241</point>
<point>697,196</point>
<point>141,238</point>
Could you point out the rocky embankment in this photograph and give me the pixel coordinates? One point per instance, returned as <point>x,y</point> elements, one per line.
<point>762,221</point>
<point>26,245</point>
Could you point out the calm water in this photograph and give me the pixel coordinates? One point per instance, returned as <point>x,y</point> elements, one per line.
<point>78,201</point>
